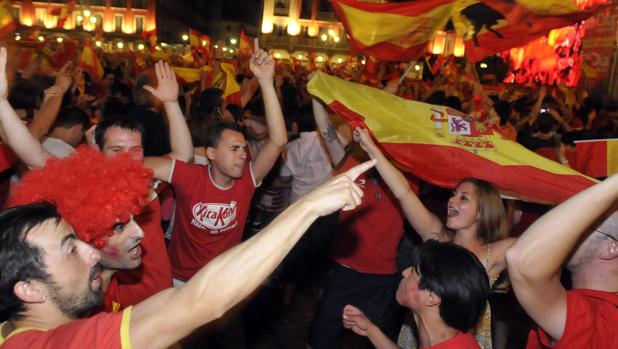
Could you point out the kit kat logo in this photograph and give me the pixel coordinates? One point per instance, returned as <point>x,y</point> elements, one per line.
<point>215,216</point>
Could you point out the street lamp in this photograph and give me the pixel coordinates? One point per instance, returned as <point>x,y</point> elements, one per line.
<point>185,37</point>
<point>120,44</point>
<point>87,13</point>
<point>233,41</point>
<point>41,38</point>
<point>59,39</point>
<point>140,46</point>
<point>97,43</point>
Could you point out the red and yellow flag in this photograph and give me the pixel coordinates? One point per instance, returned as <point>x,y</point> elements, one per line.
<point>231,88</point>
<point>7,22</point>
<point>442,145</point>
<point>393,31</point>
<point>245,47</point>
<point>597,158</point>
<point>89,61</point>
<point>401,31</point>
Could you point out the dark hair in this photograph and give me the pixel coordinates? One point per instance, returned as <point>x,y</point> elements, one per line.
<point>305,120</point>
<point>113,108</point>
<point>23,95</point>
<point>142,98</point>
<point>213,134</point>
<point>71,116</point>
<point>545,122</point>
<point>124,123</point>
<point>436,98</point>
<point>210,99</point>
<point>237,111</point>
<point>457,276</point>
<point>20,260</point>
<point>453,102</point>
<point>504,111</point>
<point>198,127</point>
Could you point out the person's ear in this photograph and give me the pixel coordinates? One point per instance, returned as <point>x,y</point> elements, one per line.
<point>609,250</point>
<point>29,292</point>
<point>210,153</point>
<point>432,299</point>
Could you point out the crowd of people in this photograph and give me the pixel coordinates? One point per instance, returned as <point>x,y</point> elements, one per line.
<point>141,209</point>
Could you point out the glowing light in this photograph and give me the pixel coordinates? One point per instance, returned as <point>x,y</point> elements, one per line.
<point>185,37</point>
<point>438,43</point>
<point>324,37</point>
<point>28,22</point>
<point>267,27</point>
<point>299,56</point>
<point>93,20</point>
<point>233,41</point>
<point>17,37</point>
<point>331,32</point>
<point>59,39</point>
<point>320,59</point>
<point>483,65</point>
<point>339,60</point>
<point>277,55</point>
<point>417,67</point>
<point>313,30</point>
<point>224,49</point>
<point>163,44</point>
<point>140,46</point>
<point>231,50</point>
<point>204,42</point>
<point>98,43</point>
<point>216,46</point>
<point>86,13</point>
<point>120,44</point>
<point>41,38</point>
<point>79,18</point>
<point>363,62</point>
<point>293,28</point>
<point>460,47</point>
<point>336,38</point>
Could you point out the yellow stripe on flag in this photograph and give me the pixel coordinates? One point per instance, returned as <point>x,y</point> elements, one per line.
<point>612,157</point>
<point>372,28</point>
<point>189,75</point>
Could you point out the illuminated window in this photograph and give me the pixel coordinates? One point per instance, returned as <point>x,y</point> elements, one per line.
<point>118,18</point>
<point>39,16</point>
<point>139,24</point>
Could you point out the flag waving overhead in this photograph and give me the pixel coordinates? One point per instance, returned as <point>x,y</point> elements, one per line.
<point>442,145</point>
<point>597,158</point>
<point>7,22</point>
<point>402,31</point>
<point>393,31</point>
<point>245,47</point>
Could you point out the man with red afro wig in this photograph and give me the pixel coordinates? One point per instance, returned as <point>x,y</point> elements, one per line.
<point>114,136</point>
<point>98,196</point>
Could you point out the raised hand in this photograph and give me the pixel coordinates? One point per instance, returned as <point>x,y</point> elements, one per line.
<point>167,86</point>
<point>64,79</point>
<point>354,319</point>
<point>262,65</point>
<point>339,193</point>
<point>362,136</point>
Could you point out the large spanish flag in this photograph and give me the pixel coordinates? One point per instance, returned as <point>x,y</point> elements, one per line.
<point>597,158</point>
<point>442,145</point>
<point>393,31</point>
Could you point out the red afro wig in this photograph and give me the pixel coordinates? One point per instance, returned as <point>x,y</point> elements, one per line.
<point>91,191</point>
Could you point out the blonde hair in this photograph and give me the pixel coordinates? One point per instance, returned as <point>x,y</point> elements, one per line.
<point>492,216</point>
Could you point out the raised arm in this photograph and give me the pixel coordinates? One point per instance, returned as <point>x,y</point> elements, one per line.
<point>14,133</point>
<point>172,314</point>
<point>426,224</point>
<point>44,119</point>
<point>180,137</point>
<point>263,67</point>
<point>534,261</point>
<point>327,129</point>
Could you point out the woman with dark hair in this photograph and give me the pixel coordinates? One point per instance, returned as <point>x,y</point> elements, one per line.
<point>475,220</point>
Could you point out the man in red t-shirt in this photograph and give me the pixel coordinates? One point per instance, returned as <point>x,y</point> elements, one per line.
<point>446,288</point>
<point>583,229</point>
<point>49,278</point>
<point>212,202</point>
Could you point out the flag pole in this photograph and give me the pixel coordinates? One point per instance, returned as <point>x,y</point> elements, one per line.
<point>403,76</point>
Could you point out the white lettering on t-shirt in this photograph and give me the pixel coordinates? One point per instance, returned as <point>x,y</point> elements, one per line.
<point>214,216</point>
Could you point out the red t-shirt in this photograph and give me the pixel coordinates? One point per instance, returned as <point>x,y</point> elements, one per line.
<point>591,322</point>
<point>129,287</point>
<point>369,235</point>
<point>460,341</point>
<point>104,330</point>
<point>209,219</point>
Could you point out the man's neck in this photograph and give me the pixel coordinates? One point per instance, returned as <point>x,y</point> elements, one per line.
<point>45,321</point>
<point>595,277</point>
<point>432,330</point>
<point>220,179</point>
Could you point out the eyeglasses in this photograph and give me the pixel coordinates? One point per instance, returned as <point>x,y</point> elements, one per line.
<point>609,236</point>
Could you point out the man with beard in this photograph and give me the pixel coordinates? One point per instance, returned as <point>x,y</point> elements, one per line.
<point>49,277</point>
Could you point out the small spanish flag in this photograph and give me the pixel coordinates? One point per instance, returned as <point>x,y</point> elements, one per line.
<point>597,158</point>
<point>89,61</point>
<point>7,22</point>
<point>245,48</point>
<point>442,146</point>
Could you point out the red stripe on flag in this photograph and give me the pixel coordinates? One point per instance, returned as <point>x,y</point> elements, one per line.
<point>592,158</point>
